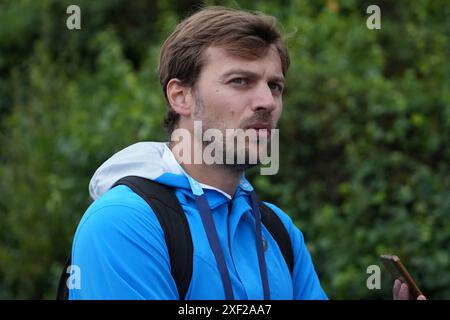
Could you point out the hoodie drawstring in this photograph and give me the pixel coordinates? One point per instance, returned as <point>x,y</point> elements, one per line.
<point>259,244</point>
<point>211,232</point>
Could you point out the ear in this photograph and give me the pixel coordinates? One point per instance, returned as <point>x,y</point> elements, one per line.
<point>179,97</point>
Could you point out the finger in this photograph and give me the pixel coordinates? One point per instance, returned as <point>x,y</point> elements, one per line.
<point>403,293</point>
<point>396,289</point>
<point>421,297</point>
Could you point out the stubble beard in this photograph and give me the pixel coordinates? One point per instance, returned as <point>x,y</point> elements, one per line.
<point>229,147</point>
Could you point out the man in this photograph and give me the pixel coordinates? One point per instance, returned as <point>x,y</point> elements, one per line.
<point>225,69</point>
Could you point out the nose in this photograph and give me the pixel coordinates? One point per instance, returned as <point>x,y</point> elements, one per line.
<point>263,98</point>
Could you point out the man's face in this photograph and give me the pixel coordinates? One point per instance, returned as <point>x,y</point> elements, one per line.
<point>237,93</point>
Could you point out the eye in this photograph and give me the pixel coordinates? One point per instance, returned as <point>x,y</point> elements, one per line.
<point>238,81</point>
<point>276,86</point>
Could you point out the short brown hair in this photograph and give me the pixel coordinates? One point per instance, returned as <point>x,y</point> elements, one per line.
<point>242,33</point>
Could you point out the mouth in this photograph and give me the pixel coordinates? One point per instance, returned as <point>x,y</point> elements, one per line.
<point>260,127</point>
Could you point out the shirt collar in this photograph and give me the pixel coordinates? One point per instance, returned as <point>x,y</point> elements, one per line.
<point>176,168</point>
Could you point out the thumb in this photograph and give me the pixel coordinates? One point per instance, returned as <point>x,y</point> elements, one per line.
<point>403,293</point>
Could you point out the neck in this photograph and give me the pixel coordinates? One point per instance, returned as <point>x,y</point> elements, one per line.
<point>218,176</point>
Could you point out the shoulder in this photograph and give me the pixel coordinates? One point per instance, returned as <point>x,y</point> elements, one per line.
<point>292,229</point>
<point>119,212</point>
<point>120,247</point>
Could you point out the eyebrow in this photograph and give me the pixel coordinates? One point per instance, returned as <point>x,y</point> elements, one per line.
<point>250,74</point>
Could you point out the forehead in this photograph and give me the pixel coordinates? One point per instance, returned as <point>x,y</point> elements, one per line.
<point>218,61</point>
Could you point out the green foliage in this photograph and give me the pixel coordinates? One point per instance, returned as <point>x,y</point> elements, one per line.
<point>369,114</point>
<point>364,154</point>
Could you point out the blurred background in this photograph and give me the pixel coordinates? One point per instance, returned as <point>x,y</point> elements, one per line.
<point>365,156</point>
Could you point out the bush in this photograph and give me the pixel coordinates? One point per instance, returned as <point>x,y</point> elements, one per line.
<point>365,163</point>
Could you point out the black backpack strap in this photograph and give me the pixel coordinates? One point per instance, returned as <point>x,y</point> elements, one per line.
<point>173,221</point>
<point>63,291</point>
<point>278,231</point>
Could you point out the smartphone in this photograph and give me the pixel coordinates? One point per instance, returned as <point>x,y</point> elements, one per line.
<point>398,271</point>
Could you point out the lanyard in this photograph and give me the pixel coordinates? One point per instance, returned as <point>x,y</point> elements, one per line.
<point>211,232</point>
<point>259,245</point>
<point>213,239</point>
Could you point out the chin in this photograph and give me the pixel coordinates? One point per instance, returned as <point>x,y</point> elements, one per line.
<point>241,167</point>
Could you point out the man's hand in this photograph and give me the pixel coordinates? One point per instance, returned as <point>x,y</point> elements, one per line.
<point>401,291</point>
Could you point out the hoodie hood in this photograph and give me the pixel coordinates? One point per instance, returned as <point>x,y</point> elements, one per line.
<point>150,160</point>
